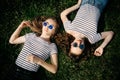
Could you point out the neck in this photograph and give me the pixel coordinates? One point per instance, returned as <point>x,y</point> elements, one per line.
<point>45,37</point>
<point>77,35</point>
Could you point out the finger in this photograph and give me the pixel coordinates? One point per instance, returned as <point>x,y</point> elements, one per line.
<point>98,52</point>
<point>29,57</point>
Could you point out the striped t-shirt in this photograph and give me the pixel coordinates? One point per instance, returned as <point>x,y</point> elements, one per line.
<point>85,22</point>
<point>37,46</point>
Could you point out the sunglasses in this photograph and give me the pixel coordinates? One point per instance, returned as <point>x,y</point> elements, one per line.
<point>49,26</point>
<point>81,46</point>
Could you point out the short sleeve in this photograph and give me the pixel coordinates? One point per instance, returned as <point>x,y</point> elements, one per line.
<point>66,25</point>
<point>29,35</point>
<point>97,37</point>
<point>54,49</point>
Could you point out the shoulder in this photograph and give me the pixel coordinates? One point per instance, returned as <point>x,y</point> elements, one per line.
<point>66,25</point>
<point>29,35</point>
<point>67,22</point>
<point>97,37</point>
<point>53,45</point>
<point>53,48</point>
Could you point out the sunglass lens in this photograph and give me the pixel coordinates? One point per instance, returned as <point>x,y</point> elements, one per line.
<point>50,27</point>
<point>75,44</point>
<point>45,24</point>
<point>81,46</point>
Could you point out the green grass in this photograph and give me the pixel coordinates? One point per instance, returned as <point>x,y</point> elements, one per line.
<point>106,67</point>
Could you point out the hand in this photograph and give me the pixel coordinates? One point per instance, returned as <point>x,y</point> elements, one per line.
<point>33,59</point>
<point>98,51</point>
<point>25,24</point>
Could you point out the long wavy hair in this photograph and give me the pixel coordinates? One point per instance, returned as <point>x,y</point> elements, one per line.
<point>85,54</point>
<point>62,39</point>
<point>65,43</point>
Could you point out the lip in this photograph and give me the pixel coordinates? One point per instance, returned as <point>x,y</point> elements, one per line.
<point>45,30</point>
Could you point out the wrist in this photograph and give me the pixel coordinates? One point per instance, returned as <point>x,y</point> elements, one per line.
<point>20,27</point>
<point>39,62</point>
<point>102,47</point>
<point>77,5</point>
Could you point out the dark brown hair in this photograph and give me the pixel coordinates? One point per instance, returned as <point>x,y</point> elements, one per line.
<point>63,40</point>
<point>65,44</point>
<point>85,54</point>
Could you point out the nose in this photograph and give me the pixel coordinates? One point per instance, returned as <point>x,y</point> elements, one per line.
<point>46,28</point>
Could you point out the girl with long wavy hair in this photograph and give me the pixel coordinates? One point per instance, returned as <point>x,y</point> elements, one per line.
<point>84,28</point>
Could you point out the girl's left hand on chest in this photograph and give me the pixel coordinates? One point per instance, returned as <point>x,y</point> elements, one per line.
<point>33,58</point>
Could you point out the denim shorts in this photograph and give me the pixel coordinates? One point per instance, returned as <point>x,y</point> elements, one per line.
<point>97,3</point>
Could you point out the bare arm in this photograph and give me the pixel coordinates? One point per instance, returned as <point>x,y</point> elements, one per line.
<point>107,36</point>
<point>52,67</point>
<point>15,37</point>
<point>64,13</point>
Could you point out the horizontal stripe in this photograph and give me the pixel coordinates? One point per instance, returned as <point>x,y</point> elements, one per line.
<point>85,22</point>
<point>37,46</point>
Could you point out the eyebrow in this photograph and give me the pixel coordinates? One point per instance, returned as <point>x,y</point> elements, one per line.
<point>46,22</point>
<point>51,24</point>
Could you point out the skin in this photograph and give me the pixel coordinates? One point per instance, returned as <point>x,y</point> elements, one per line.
<point>107,35</point>
<point>77,50</point>
<point>46,34</point>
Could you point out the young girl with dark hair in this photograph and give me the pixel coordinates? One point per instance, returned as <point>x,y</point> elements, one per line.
<point>84,28</point>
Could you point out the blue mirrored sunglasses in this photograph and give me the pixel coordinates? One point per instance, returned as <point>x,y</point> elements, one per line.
<point>46,24</point>
<point>81,46</point>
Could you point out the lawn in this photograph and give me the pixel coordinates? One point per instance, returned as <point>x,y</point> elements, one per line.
<point>106,67</point>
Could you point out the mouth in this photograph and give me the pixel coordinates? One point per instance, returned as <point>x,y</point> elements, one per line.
<point>45,30</point>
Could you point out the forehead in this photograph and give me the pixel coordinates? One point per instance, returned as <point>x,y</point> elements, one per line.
<point>51,21</point>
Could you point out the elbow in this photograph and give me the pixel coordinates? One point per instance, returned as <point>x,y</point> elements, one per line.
<point>10,41</point>
<point>55,70</point>
<point>111,33</point>
<point>63,14</point>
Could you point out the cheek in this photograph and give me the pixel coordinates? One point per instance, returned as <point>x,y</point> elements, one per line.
<point>42,28</point>
<point>72,43</point>
<point>53,32</point>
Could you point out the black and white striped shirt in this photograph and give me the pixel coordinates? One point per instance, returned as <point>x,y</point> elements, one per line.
<point>37,46</point>
<point>85,22</point>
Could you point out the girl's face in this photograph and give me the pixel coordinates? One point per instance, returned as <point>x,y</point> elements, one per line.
<point>77,47</point>
<point>49,27</point>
